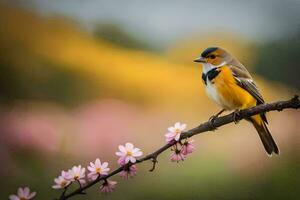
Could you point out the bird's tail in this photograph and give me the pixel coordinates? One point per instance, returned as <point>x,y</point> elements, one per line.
<point>264,134</point>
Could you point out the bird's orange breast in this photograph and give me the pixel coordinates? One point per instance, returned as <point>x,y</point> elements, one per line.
<point>230,95</point>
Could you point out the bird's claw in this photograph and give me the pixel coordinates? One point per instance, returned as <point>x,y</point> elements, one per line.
<point>236,116</point>
<point>211,121</point>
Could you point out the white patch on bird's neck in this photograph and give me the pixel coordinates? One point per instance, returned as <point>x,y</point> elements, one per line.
<point>211,90</point>
<point>208,66</point>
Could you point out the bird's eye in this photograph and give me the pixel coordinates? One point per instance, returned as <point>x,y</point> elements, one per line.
<point>212,56</point>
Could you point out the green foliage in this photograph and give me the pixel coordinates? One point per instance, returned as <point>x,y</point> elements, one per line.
<point>280,61</point>
<point>34,79</point>
<point>117,35</point>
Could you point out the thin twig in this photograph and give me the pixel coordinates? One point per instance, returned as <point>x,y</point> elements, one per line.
<point>293,103</point>
<point>154,162</point>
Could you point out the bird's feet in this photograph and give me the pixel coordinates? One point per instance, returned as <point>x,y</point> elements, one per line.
<point>212,119</point>
<point>211,123</point>
<point>236,116</point>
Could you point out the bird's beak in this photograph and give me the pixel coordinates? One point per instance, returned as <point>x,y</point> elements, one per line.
<point>200,59</point>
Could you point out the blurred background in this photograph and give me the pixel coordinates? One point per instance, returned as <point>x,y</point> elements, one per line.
<point>78,78</point>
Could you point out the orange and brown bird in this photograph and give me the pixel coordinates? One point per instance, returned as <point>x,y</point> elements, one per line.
<point>231,86</point>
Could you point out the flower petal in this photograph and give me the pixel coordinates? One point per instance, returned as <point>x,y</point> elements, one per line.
<point>129,146</point>
<point>121,161</point>
<point>127,159</point>
<point>98,162</point>
<point>137,153</point>
<point>56,187</point>
<point>170,134</point>
<point>103,173</point>
<point>14,197</point>
<point>171,129</point>
<point>135,150</point>
<point>104,165</point>
<point>106,169</point>
<point>177,125</point>
<point>20,192</point>
<point>120,153</point>
<point>92,164</point>
<point>182,127</point>
<point>26,192</point>
<point>31,195</point>
<point>132,159</point>
<point>91,169</point>
<point>122,148</point>
<point>177,137</point>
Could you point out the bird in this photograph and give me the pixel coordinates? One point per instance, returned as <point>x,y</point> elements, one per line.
<point>229,84</point>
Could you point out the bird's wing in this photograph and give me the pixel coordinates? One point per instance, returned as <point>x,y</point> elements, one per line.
<point>245,81</point>
<point>250,86</point>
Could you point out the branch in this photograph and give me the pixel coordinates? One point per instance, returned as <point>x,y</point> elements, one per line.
<point>293,103</point>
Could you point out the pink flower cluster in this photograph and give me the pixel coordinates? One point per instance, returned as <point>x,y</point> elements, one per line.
<point>78,174</point>
<point>180,150</point>
<point>127,154</point>
<point>179,153</point>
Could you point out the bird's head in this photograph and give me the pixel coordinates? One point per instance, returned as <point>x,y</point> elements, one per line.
<point>214,56</point>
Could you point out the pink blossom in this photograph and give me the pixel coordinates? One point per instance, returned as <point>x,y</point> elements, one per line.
<point>177,156</point>
<point>62,181</point>
<point>128,153</point>
<point>187,147</point>
<point>129,172</point>
<point>23,194</point>
<point>174,132</point>
<point>121,161</point>
<point>97,169</point>
<point>108,187</point>
<point>65,174</point>
<point>77,173</point>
